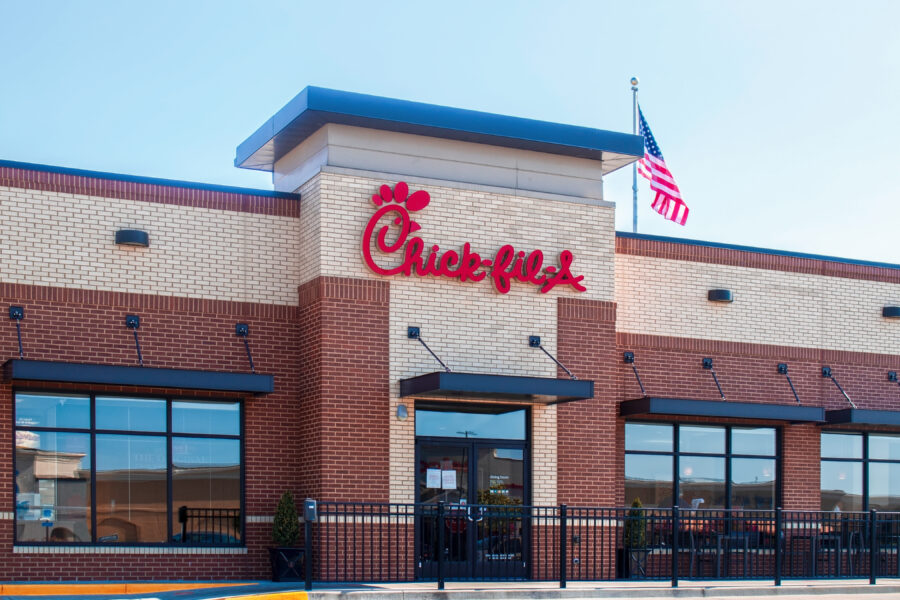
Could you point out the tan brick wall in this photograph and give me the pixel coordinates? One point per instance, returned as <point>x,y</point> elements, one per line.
<point>668,297</point>
<point>67,240</point>
<point>472,327</point>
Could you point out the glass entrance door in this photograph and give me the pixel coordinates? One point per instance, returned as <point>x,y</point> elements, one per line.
<point>484,488</point>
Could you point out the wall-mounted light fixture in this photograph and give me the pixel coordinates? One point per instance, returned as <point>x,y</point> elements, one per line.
<point>720,296</point>
<point>891,312</point>
<point>132,237</point>
<point>402,412</point>
<point>133,322</point>
<point>17,313</point>
<point>892,376</point>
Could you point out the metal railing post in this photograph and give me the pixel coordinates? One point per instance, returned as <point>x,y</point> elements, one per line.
<point>307,554</point>
<point>675,551</point>
<point>563,542</point>
<point>778,557</point>
<point>873,545</point>
<point>440,548</point>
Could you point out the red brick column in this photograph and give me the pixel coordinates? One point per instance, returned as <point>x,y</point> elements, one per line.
<point>345,394</point>
<point>586,429</point>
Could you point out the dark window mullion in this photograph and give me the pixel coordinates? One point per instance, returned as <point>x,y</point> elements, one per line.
<point>728,458</point>
<point>93,442</point>
<point>865,472</point>
<point>169,485</point>
<point>676,485</point>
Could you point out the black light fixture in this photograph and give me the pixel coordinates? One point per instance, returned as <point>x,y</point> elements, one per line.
<point>827,374</point>
<point>133,322</point>
<point>534,341</point>
<point>242,330</point>
<point>720,295</point>
<point>414,333</point>
<point>892,376</point>
<point>629,360</point>
<point>891,312</point>
<point>132,237</point>
<point>708,365</point>
<point>783,370</point>
<point>17,313</point>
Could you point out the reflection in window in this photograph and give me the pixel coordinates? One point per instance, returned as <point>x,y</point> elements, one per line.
<point>647,437</point>
<point>648,477</point>
<point>482,425</point>
<point>701,482</point>
<point>213,418</point>
<point>206,490</point>
<point>131,414</point>
<point>131,489</point>
<point>842,485</point>
<point>709,474</point>
<point>884,486</point>
<point>753,483</point>
<point>860,471</point>
<point>53,410</point>
<point>703,440</point>
<point>53,487</point>
<point>138,485</point>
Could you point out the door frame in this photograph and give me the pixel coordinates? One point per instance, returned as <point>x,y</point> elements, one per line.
<point>471,446</point>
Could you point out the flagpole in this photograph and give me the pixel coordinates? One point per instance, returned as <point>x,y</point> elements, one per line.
<point>634,128</point>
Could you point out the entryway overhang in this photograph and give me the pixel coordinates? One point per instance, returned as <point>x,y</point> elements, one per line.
<point>42,370</point>
<point>859,416</point>
<point>793,413</point>
<point>536,390</point>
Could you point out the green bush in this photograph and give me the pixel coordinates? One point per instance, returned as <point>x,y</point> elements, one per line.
<point>636,526</point>
<point>286,528</point>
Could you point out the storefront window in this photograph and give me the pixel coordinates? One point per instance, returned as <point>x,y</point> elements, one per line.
<point>860,471</point>
<point>153,483</point>
<point>495,424</point>
<point>713,467</point>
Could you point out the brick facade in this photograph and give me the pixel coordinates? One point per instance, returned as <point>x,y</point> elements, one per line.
<point>333,335</point>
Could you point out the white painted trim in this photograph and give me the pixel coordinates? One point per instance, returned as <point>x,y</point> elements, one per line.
<point>490,189</point>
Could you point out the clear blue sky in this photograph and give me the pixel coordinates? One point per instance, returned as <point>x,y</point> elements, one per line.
<point>779,119</point>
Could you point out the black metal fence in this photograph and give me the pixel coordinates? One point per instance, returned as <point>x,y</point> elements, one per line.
<point>369,542</point>
<point>209,526</point>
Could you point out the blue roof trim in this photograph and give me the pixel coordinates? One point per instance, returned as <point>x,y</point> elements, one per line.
<point>689,242</point>
<point>314,107</point>
<point>146,180</point>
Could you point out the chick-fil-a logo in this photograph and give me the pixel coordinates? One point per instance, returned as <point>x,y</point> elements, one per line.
<point>506,266</point>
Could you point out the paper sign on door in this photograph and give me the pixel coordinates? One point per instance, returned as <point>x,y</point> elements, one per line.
<point>448,479</point>
<point>433,478</point>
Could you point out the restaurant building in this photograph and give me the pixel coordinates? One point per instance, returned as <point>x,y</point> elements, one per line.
<point>177,355</point>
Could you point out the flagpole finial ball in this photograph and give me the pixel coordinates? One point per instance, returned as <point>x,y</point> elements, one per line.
<point>634,81</point>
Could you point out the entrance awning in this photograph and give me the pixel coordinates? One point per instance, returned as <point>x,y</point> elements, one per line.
<point>794,413</point>
<point>42,370</point>
<point>860,416</point>
<point>543,390</point>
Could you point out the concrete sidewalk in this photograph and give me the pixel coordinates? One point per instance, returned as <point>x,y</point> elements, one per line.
<point>636,590</point>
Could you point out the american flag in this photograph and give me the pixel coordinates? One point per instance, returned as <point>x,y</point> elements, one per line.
<point>668,200</point>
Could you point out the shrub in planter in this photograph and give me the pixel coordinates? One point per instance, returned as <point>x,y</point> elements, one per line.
<point>635,540</point>
<point>287,559</point>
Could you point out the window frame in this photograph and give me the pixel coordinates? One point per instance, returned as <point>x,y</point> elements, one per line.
<point>728,456</point>
<point>92,431</point>
<point>864,460</point>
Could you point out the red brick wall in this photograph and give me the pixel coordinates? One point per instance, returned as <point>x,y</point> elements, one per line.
<point>89,326</point>
<point>671,367</point>
<point>346,322</point>
<point>586,471</point>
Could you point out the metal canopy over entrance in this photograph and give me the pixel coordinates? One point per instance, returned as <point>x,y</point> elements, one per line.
<point>541,390</point>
